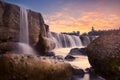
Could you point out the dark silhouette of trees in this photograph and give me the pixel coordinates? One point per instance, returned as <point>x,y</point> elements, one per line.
<point>94,32</point>
<point>76,33</point>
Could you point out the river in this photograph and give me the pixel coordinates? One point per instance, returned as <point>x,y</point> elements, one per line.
<point>81,62</point>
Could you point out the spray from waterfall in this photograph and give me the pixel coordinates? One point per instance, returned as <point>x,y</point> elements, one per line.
<point>24,46</point>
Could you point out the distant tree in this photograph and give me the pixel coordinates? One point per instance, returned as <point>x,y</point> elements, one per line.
<point>78,32</point>
<point>84,34</point>
<point>92,29</point>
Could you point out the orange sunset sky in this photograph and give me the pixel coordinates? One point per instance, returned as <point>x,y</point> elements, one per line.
<point>76,15</point>
<point>81,16</point>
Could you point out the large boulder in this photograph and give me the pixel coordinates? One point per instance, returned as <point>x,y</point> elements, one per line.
<point>31,67</point>
<point>10,25</point>
<point>104,55</point>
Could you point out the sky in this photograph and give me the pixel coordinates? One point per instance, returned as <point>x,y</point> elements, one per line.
<point>76,15</point>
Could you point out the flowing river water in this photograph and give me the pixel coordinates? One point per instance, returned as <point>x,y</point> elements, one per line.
<point>80,62</point>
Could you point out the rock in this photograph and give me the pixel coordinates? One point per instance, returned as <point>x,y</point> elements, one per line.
<point>43,45</point>
<point>104,55</point>
<point>69,58</point>
<point>83,51</point>
<point>90,70</point>
<point>59,57</point>
<point>9,22</point>
<point>52,44</point>
<point>47,29</point>
<point>92,38</point>
<point>36,27</point>
<point>32,67</point>
<point>50,54</point>
<point>77,51</point>
<point>8,47</point>
<point>74,51</point>
<point>77,71</point>
<point>10,25</point>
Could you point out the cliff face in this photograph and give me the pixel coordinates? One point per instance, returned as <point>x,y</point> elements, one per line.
<point>10,26</point>
<point>36,26</point>
<point>9,22</point>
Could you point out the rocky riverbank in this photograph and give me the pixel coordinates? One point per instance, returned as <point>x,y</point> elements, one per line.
<point>33,67</point>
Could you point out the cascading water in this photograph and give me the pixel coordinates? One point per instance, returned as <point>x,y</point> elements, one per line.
<point>24,33</point>
<point>65,41</point>
<point>85,40</point>
<point>77,41</point>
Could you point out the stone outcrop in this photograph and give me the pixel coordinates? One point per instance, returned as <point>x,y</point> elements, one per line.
<point>10,25</point>
<point>104,55</point>
<point>78,51</point>
<point>43,45</point>
<point>6,47</point>
<point>69,58</point>
<point>31,67</point>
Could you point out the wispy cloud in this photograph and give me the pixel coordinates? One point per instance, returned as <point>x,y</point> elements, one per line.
<point>74,17</point>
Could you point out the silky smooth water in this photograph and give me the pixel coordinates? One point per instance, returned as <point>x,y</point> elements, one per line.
<point>24,46</point>
<point>80,61</point>
<point>24,30</point>
<point>64,40</point>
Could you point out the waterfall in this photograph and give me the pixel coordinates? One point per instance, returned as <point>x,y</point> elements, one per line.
<point>85,40</point>
<point>24,46</point>
<point>24,32</point>
<point>64,40</point>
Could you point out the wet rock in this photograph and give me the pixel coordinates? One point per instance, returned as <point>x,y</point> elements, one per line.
<point>78,51</point>
<point>32,67</point>
<point>69,58</point>
<point>59,57</point>
<point>50,54</point>
<point>77,71</point>
<point>104,55</point>
<point>90,70</point>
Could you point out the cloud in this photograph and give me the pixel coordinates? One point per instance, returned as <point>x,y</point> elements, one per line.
<point>74,18</point>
